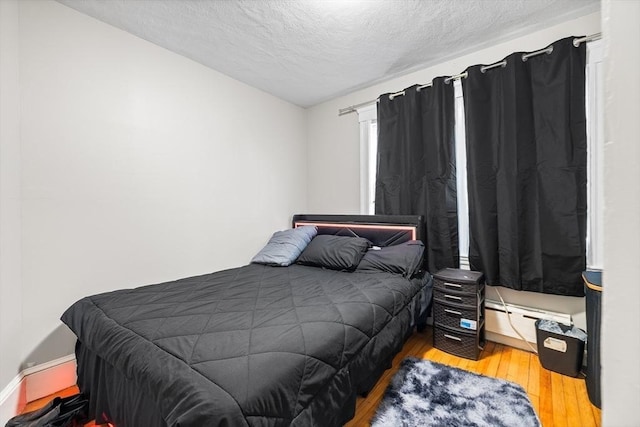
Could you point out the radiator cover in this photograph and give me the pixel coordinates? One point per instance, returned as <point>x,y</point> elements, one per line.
<point>523,318</point>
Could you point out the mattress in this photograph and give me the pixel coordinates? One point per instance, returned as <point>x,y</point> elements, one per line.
<point>255,345</point>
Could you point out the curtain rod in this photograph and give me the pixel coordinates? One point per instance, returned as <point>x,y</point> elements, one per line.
<point>548,50</point>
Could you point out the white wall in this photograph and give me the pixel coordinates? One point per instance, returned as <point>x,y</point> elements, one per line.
<point>138,166</point>
<point>334,159</point>
<point>620,344</point>
<point>129,158</point>
<point>10,286</point>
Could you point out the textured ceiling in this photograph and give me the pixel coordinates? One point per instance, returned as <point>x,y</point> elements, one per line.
<point>309,51</point>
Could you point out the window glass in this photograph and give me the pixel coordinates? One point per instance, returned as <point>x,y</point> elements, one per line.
<point>461,177</point>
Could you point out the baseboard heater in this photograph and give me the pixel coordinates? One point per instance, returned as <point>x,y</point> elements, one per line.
<point>523,318</point>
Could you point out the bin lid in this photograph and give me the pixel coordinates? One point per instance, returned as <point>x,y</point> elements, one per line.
<point>593,280</point>
<point>459,276</point>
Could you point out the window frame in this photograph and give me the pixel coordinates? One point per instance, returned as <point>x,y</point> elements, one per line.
<point>461,176</point>
<point>595,103</point>
<point>368,118</point>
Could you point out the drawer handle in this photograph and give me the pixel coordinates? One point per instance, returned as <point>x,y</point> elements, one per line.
<point>453,297</point>
<point>453,285</point>
<point>451,337</point>
<point>457,313</point>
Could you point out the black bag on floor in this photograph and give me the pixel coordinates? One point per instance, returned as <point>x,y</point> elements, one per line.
<point>59,412</point>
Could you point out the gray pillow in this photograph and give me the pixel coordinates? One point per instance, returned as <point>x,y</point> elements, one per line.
<point>334,252</point>
<point>285,246</point>
<point>405,258</point>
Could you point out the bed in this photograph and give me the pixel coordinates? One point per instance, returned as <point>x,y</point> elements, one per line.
<point>256,345</point>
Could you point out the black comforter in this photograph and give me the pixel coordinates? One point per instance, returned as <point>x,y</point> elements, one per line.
<point>256,345</point>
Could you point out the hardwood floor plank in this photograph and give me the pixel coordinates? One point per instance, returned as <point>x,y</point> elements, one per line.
<point>471,365</point>
<point>559,408</point>
<point>546,395</point>
<point>427,352</point>
<point>533,387</point>
<point>439,356</point>
<point>558,400</point>
<point>485,356</point>
<point>446,358</point>
<point>571,401</point>
<point>597,415</point>
<point>463,363</point>
<point>589,414</point>
<point>493,364</point>
<point>505,361</point>
<point>514,365</point>
<point>523,369</point>
<point>585,407</point>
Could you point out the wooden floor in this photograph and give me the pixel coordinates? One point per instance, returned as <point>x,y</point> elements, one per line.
<point>559,400</point>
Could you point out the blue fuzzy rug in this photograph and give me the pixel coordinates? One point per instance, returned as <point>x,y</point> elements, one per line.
<point>424,393</point>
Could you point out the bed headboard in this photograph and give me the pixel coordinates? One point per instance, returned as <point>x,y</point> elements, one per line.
<point>381,230</point>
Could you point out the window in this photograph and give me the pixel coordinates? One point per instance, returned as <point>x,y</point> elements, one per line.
<point>595,166</point>
<point>368,157</point>
<point>461,177</point>
<point>595,148</point>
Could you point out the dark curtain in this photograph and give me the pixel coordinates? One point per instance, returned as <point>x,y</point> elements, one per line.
<point>416,165</point>
<point>527,170</point>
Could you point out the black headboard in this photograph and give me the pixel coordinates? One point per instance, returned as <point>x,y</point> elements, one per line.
<point>381,230</point>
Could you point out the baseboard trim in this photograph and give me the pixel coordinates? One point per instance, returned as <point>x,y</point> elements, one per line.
<point>505,340</point>
<point>36,382</point>
<point>13,398</point>
<point>47,378</point>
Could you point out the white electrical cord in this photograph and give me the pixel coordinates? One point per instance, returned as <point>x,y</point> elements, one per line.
<point>510,323</point>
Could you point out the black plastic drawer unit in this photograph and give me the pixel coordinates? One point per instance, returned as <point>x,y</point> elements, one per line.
<point>458,312</point>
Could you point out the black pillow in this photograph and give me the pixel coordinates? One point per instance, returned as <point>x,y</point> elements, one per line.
<point>334,252</point>
<point>405,258</point>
